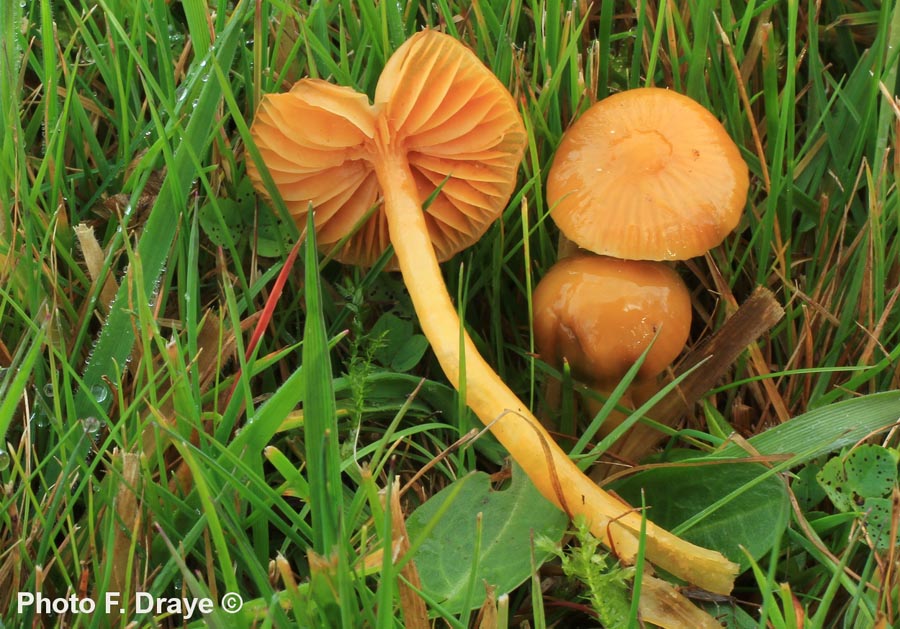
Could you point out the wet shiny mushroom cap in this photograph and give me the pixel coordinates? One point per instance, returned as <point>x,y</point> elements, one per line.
<point>436,105</point>
<point>600,314</point>
<point>647,174</point>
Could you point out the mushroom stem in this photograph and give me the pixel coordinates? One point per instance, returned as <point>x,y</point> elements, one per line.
<point>554,474</point>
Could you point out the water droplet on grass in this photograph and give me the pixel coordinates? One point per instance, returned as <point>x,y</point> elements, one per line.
<point>4,459</point>
<point>100,392</point>
<point>40,419</point>
<point>91,425</point>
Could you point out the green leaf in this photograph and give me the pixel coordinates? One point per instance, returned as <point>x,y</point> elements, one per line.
<point>445,556</point>
<point>877,519</point>
<point>806,487</point>
<point>320,428</point>
<point>754,515</point>
<point>221,218</point>
<point>825,429</point>
<point>197,14</point>
<point>273,238</point>
<point>868,471</point>
<point>116,338</point>
<point>409,353</point>
<point>11,393</point>
<point>397,346</point>
<point>863,481</point>
<point>730,615</point>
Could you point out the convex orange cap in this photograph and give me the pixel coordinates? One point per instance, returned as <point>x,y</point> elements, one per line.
<point>601,313</point>
<point>647,174</point>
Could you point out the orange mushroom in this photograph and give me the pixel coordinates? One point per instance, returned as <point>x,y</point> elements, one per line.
<point>600,314</point>
<point>442,128</point>
<point>647,174</point>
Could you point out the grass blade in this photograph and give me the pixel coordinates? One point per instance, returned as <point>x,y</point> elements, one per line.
<point>320,427</point>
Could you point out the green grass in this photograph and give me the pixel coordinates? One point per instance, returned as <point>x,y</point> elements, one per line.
<point>140,418</point>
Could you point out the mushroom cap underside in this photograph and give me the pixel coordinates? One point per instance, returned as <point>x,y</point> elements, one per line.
<point>647,174</point>
<point>437,105</point>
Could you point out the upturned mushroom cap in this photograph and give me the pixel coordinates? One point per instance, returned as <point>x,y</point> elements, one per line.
<point>317,142</point>
<point>437,105</point>
<point>600,314</point>
<point>461,132</point>
<point>647,174</point>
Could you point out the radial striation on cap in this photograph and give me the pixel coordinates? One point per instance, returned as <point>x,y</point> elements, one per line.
<point>647,174</point>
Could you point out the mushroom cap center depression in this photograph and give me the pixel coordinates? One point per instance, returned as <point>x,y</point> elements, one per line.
<point>629,157</point>
<point>649,150</point>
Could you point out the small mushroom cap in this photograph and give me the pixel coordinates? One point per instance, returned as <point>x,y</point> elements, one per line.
<point>601,313</point>
<point>317,142</point>
<point>436,104</point>
<point>460,130</point>
<point>647,174</point>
